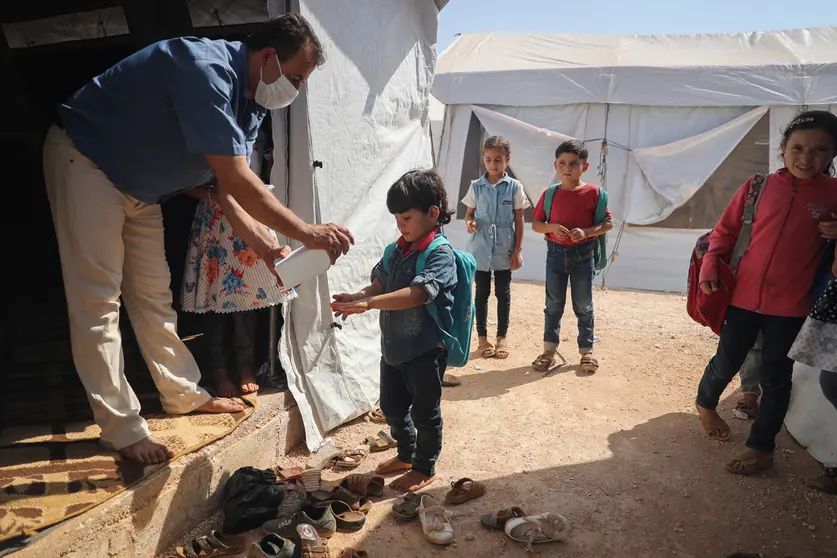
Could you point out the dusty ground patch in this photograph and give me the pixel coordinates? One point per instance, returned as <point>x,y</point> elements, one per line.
<point>620,453</point>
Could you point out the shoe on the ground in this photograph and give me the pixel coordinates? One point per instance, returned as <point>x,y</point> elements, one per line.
<point>320,517</point>
<point>272,546</point>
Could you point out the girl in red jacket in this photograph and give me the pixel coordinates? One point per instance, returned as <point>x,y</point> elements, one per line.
<point>773,284</point>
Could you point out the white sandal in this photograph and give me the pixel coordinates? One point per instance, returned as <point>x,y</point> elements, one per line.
<point>434,521</point>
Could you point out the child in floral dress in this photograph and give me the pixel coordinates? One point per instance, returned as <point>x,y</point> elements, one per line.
<point>226,281</point>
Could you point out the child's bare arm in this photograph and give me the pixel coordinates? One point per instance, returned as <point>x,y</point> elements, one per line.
<point>598,230</point>
<point>518,230</point>
<point>470,222</point>
<point>403,299</point>
<point>373,289</point>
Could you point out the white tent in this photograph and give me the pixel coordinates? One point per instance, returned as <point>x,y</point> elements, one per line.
<point>686,120</point>
<point>361,122</point>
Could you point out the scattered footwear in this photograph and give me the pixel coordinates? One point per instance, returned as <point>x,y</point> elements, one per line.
<point>289,474</point>
<point>382,442</point>
<point>212,545</point>
<point>364,506</point>
<point>350,459</point>
<point>310,542</point>
<point>377,416</point>
<point>347,519</point>
<point>293,500</point>
<point>352,553</point>
<point>338,493</point>
<point>435,524</point>
<point>272,546</point>
<point>497,521</point>
<point>537,529</point>
<point>364,485</point>
<point>464,490</point>
<point>406,509</point>
<point>320,517</point>
<point>321,458</point>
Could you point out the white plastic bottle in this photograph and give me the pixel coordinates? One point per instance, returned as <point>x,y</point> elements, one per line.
<point>302,266</point>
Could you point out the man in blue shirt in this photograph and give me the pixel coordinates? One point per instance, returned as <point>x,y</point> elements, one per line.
<point>164,120</point>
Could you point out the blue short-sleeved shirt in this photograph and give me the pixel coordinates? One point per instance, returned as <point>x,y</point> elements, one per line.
<point>148,121</point>
<point>407,334</point>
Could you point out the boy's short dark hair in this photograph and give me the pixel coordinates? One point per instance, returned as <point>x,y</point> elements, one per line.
<point>288,34</point>
<point>575,147</point>
<point>497,142</point>
<point>421,190</point>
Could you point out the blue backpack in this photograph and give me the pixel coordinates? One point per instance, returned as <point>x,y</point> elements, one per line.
<point>600,249</point>
<point>458,337</point>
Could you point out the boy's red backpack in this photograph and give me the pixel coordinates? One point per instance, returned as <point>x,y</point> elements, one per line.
<point>711,310</point>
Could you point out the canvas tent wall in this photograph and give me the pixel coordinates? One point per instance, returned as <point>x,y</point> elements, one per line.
<point>674,125</point>
<point>361,122</point>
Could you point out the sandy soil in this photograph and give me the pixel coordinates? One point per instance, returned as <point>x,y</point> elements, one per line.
<point>620,453</point>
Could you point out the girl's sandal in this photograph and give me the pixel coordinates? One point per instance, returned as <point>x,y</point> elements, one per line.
<point>749,464</point>
<point>502,352</point>
<point>545,362</point>
<point>589,364</point>
<point>497,520</point>
<point>486,349</point>
<point>747,405</point>
<point>350,459</point>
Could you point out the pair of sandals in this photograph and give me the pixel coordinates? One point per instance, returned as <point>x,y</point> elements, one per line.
<point>528,529</point>
<point>548,361</point>
<point>499,351</point>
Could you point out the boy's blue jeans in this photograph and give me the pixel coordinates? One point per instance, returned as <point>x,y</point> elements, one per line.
<point>411,397</point>
<point>573,265</point>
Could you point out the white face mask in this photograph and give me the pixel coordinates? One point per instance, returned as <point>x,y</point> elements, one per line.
<point>276,95</point>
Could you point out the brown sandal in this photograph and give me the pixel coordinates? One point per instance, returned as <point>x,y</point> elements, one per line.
<point>747,404</point>
<point>486,349</point>
<point>545,362</point>
<point>377,416</point>
<point>502,349</point>
<point>211,545</point>
<point>364,485</point>
<point>751,464</point>
<point>352,553</point>
<point>351,459</point>
<point>589,363</point>
<point>497,520</point>
<point>464,490</point>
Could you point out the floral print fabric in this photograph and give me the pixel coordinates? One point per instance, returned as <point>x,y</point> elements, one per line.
<point>223,274</point>
<point>816,344</point>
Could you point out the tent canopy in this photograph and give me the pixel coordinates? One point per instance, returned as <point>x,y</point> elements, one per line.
<point>795,67</point>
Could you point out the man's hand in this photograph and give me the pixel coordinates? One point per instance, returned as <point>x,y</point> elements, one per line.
<point>331,238</point>
<point>829,228</point>
<point>578,235</point>
<point>346,309</point>
<point>560,231</point>
<point>471,226</point>
<point>516,260</point>
<point>709,287</point>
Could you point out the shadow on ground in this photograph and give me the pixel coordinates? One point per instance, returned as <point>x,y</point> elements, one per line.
<point>663,492</point>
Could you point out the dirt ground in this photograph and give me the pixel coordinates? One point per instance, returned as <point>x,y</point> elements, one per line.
<point>620,453</point>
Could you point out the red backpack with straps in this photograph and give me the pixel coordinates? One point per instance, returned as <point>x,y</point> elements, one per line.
<point>711,310</point>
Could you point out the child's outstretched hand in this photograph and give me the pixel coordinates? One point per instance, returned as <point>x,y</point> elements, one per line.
<point>346,309</point>
<point>829,228</point>
<point>471,226</point>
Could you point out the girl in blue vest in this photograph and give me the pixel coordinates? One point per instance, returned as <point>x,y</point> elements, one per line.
<point>494,218</point>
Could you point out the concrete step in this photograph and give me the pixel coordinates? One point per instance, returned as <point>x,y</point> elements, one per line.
<point>147,519</point>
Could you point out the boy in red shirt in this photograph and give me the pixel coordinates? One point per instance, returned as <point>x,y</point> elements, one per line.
<point>570,236</point>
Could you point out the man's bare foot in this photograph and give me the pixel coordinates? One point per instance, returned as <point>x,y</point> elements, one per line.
<point>223,384</point>
<point>411,481</point>
<point>715,427</point>
<point>393,465</point>
<point>147,451</point>
<point>222,405</point>
<point>248,380</point>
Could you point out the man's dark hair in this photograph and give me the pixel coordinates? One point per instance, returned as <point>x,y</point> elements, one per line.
<point>421,190</point>
<point>288,34</point>
<point>575,147</point>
